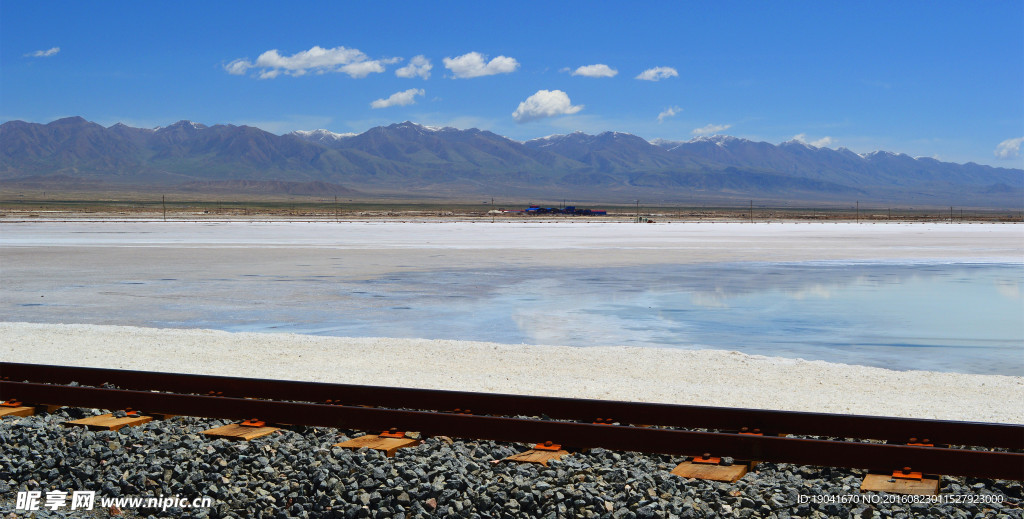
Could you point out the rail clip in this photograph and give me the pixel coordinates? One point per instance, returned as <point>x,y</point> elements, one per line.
<point>547,446</point>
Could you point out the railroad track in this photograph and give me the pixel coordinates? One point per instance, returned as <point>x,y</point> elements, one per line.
<point>863,442</point>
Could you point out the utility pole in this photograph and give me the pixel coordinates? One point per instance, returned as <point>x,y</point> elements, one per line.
<point>337,218</point>
<point>637,211</point>
<point>751,214</point>
<point>858,211</point>
<point>163,202</point>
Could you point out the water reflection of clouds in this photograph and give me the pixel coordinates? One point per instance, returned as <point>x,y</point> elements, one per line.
<point>943,317</point>
<point>952,317</point>
<point>815,291</point>
<point>1008,288</point>
<point>715,299</point>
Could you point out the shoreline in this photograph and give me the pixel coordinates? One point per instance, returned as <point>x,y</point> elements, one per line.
<point>718,378</point>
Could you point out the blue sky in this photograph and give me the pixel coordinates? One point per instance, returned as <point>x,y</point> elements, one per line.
<point>938,79</point>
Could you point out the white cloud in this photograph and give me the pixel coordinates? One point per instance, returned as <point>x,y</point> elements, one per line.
<point>273,73</point>
<point>711,129</point>
<point>820,143</point>
<point>362,69</point>
<point>318,60</point>
<point>406,97</point>
<point>656,73</point>
<point>238,67</point>
<point>1010,148</point>
<point>669,112</point>
<point>473,65</point>
<point>418,66</point>
<point>545,103</point>
<point>598,70</point>
<point>43,53</point>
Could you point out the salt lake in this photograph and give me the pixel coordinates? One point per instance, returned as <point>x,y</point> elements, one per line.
<point>928,300</point>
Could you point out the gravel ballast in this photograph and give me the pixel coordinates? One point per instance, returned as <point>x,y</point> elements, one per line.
<point>298,473</point>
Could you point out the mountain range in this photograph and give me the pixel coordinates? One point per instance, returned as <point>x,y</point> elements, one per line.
<point>412,160</point>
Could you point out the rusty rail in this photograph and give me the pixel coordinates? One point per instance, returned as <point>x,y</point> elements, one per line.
<point>301,403</point>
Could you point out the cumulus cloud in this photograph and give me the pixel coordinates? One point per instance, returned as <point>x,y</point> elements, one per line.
<point>669,112</point>
<point>1010,148</point>
<point>545,103</point>
<point>711,129</point>
<point>657,73</point>
<point>475,64</point>
<point>43,53</point>
<point>362,69</point>
<point>238,67</point>
<point>318,60</point>
<point>407,97</point>
<point>598,70</point>
<point>418,66</point>
<point>820,143</point>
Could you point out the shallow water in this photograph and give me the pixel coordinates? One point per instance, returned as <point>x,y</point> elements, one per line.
<point>958,317</point>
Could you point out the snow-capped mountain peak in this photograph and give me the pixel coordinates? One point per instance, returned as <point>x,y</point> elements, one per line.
<point>321,134</point>
<point>423,127</point>
<point>720,140</point>
<point>799,143</point>
<point>182,125</point>
<point>882,153</point>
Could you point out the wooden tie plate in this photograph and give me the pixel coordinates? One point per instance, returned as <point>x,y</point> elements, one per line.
<point>712,471</point>
<point>107,422</point>
<point>17,411</point>
<point>541,453</point>
<point>376,442</point>
<point>537,456</point>
<point>240,432</point>
<point>928,485</point>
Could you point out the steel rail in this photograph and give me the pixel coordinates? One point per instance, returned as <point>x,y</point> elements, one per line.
<point>670,415</point>
<point>986,464</point>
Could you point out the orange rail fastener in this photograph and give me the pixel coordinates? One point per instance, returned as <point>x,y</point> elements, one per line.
<point>10,403</point>
<point>706,459</point>
<point>906,473</point>
<point>392,433</point>
<point>253,422</point>
<point>547,446</point>
<point>922,443</point>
